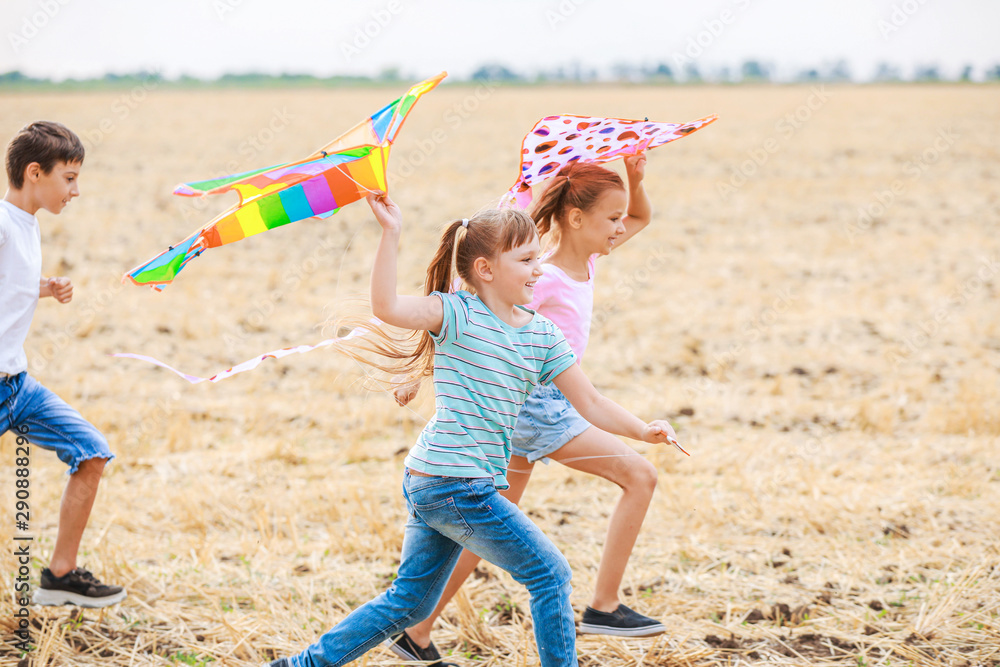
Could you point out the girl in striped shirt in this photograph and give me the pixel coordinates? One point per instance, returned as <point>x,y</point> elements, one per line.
<point>487,353</point>
<point>589,211</point>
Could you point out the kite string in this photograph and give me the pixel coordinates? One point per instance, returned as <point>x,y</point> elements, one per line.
<point>577,458</point>
<point>341,169</point>
<point>387,389</point>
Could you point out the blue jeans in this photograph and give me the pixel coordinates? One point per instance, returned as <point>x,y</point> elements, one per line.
<point>447,514</point>
<point>49,422</point>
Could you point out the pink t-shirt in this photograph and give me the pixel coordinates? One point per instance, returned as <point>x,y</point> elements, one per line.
<point>568,303</point>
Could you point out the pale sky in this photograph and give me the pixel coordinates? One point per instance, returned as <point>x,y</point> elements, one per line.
<point>205,38</point>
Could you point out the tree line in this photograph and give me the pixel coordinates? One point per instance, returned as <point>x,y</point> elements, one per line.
<point>750,71</point>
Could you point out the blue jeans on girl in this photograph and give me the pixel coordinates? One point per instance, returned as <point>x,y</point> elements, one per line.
<point>447,514</point>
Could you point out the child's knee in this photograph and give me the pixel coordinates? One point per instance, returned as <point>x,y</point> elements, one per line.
<point>561,573</point>
<point>635,474</point>
<point>644,475</point>
<point>549,572</point>
<point>423,611</point>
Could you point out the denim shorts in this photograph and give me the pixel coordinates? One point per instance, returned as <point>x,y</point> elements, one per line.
<point>546,422</point>
<point>44,419</point>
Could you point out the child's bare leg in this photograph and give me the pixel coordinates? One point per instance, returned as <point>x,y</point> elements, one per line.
<point>637,478</point>
<point>518,474</point>
<point>77,501</point>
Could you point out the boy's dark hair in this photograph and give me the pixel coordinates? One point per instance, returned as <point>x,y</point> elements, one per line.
<point>43,142</point>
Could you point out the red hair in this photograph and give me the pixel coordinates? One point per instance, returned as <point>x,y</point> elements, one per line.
<point>577,185</point>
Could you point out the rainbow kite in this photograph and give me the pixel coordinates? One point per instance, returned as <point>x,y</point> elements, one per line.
<point>555,141</point>
<point>340,173</point>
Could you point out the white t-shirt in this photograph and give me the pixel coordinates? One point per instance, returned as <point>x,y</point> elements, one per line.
<point>20,273</point>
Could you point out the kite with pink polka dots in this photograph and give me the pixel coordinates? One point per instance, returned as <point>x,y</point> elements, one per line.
<point>555,141</point>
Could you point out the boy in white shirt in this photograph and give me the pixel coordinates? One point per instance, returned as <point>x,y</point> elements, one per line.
<point>43,164</point>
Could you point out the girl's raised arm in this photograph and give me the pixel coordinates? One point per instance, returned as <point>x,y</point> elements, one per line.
<point>607,415</point>
<point>640,208</point>
<point>407,312</point>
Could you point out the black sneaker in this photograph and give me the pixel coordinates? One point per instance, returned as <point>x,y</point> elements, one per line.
<point>622,622</point>
<point>407,649</point>
<point>77,587</point>
<point>280,662</point>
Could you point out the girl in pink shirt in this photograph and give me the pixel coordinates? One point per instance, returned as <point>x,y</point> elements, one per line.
<point>588,211</point>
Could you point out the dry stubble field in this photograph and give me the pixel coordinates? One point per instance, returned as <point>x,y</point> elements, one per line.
<point>834,374</point>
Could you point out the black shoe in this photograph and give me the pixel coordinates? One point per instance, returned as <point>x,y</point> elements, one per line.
<point>622,622</point>
<point>77,587</point>
<point>407,649</point>
<point>280,662</point>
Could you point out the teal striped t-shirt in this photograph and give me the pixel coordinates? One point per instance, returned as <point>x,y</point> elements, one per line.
<point>484,370</point>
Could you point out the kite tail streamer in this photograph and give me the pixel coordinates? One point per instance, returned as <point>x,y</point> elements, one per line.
<point>249,364</point>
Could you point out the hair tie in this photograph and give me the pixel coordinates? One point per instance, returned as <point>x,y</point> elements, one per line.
<point>465,222</point>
